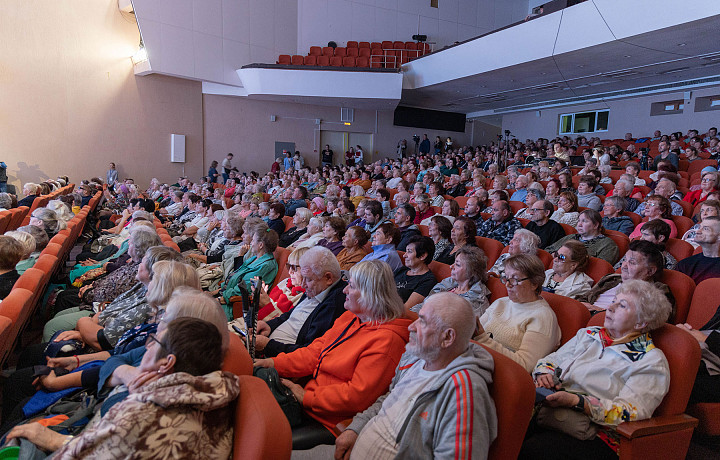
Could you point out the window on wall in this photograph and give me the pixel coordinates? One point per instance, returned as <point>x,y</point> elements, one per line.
<point>584,122</point>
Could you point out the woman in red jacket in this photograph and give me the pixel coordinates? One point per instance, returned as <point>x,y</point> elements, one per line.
<point>353,363</point>
<point>287,293</point>
<point>710,183</point>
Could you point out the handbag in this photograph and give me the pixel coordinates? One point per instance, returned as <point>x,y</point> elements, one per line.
<point>568,421</point>
<point>209,277</point>
<point>284,397</point>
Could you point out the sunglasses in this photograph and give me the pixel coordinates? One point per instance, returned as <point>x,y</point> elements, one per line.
<point>559,256</point>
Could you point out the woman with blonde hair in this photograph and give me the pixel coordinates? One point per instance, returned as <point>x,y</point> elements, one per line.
<point>61,210</point>
<point>352,364</point>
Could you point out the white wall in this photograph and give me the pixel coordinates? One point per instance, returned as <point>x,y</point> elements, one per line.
<point>209,39</point>
<point>320,21</point>
<point>626,115</point>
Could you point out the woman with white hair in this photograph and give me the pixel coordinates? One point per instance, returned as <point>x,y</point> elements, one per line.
<point>522,242</point>
<point>28,243</point>
<point>48,220</point>
<point>609,374</point>
<point>61,210</point>
<point>313,235</point>
<point>352,364</point>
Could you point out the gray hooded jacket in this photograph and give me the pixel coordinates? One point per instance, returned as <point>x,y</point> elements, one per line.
<point>457,411</point>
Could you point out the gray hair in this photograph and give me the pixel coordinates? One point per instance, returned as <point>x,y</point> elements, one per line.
<point>321,260</point>
<point>51,222</point>
<point>538,192</point>
<point>168,275</point>
<point>5,200</point>
<point>25,239</point>
<point>605,169</point>
<point>672,184</point>
<point>651,304</point>
<point>305,214</point>
<point>142,239</point>
<point>529,242</point>
<point>41,237</point>
<point>617,201</point>
<point>378,292</point>
<point>187,302</point>
<point>61,209</point>
<point>143,215</point>
<point>158,253</point>
<point>628,186</point>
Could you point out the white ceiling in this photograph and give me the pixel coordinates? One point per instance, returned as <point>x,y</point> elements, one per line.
<point>683,52</point>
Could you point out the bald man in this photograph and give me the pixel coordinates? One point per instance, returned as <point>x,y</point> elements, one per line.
<point>424,414</point>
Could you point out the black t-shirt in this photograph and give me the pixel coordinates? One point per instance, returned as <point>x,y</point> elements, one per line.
<point>327,156</point>
<point>548,233</point>
<point>406,284</point>
<point>7,281</point>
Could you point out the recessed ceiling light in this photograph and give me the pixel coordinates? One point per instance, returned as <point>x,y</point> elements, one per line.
<point>581,65</point>
<point>543,73</point>
<point>628,56</point>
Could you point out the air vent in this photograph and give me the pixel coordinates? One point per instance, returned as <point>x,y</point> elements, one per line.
<point>680,69</point>
<point>621,73</point>
<point>347,115</point>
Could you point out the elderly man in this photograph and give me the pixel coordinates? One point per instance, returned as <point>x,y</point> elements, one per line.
<point>502,225</point>
<point>613,218</point>
<point>423,208</point>
<point>396,178</point>
<point>665,188</point>
<point>404,217</point>
<point>400,198</point>
<point>322,304</point>
<point>623,189</point>
<point>455,188</point>
<point>547,229</point>
<point>420,416</point>
<point>520,193</point>
<point>706,264</point>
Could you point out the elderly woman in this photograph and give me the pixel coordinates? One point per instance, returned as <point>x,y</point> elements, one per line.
<point>440,230</point>
<point>384,246</point>
<point>261,264</point>
<point>28,243</point>
<point>566,184</point>
<point>656,207</point>
<point>353,250</point>
<point>287,293</point>
<point>317,206</point>
<point>435,191</point>
<point>567,276</point>
<point>414,281</point>
<point>521,326</point>
<point>48,220</point>
<point>301,219</point>
<point>709,183</point>
<point>552,191</point>
<point>275,217</point>
<point>707,208</point>
<point>11,252</point>
<point>591,374</point>
<point>352,364</point>
<point>643,261</point>
<point>61,209</point>
<point>590,233</point>
<point>522,242</point>
<point>463,234</point>
<point>313,235</point>
<point>333,233</point>
<point>567,211</point>
<point>467,279</point>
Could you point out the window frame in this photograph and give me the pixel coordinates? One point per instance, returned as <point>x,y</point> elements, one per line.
<point>572,116</point>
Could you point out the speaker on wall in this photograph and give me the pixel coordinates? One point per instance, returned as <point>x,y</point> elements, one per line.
<point>177,148</point>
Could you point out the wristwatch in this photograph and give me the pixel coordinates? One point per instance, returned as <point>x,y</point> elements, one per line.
<point>580,406</point>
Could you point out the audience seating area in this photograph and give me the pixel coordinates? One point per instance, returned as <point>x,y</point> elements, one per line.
<point>375,55</point>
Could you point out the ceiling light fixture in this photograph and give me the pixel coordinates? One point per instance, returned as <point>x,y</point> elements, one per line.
<point>140,55</point>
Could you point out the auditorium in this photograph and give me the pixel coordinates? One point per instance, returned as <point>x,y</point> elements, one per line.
<point>354,229</point>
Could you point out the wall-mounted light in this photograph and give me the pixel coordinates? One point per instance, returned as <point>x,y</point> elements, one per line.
<point>347,124</point>
<point>140,55</point>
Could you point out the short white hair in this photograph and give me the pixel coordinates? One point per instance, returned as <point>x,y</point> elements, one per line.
<point>321,260</point>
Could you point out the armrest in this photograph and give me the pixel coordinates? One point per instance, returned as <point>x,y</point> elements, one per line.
<point>656,425</point>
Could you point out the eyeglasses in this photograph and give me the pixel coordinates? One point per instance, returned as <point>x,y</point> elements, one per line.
<point>558,256</point>
<point>534,210</point>
<point>153,338</point>
<point>512,282</point>
<point>293,267</point>
<point>707,179</point>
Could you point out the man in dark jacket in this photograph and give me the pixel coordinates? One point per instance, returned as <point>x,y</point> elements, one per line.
<point>404,216</point>
<point>613,218</point>
<point>322,304</point>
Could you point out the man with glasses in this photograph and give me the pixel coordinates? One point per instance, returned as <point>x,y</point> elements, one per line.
<point>540,223</point>
<point>322,304</point>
